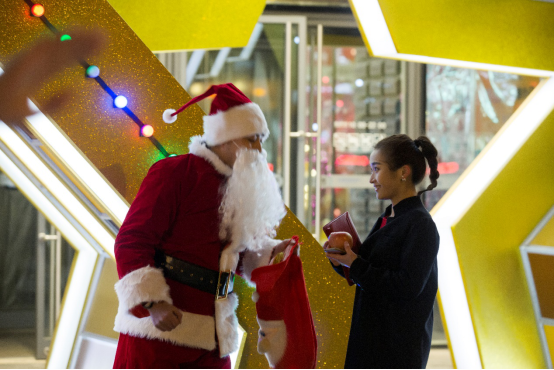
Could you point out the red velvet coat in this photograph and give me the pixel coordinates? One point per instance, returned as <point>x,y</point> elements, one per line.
<point>176,210</point>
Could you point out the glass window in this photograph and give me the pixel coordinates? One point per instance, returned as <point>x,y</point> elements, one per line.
<point>258,70</point>
<point>465,108</point>
<point>361,99</point>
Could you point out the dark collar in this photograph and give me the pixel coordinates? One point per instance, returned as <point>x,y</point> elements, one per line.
<point>403,206</point>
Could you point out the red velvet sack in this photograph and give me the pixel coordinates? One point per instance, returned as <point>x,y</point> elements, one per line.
<point>287,334</point>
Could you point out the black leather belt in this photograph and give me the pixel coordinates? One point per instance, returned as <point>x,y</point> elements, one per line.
<point>214,282</point>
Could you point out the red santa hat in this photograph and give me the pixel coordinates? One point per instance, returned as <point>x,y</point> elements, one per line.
<point>232,115</point>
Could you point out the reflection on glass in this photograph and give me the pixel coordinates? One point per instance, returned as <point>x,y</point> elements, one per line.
<point>465,109</point>
<point>28,272</point>
<point>258,70</point>
<point>360,106</point>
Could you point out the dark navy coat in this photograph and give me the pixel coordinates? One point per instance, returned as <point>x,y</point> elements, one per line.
<point>396,284</point>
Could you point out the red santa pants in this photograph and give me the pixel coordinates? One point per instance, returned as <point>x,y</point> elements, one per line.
<point>141,353</point>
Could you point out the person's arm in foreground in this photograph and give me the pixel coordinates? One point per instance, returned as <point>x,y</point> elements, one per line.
<point>25,74</point>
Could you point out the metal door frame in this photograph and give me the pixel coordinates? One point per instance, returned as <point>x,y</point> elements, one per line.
<point>301,22</point>
<point>54,242</point>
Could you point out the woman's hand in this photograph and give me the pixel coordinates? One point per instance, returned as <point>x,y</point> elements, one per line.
<point>165,316</point>
<point>342,259</point>
<point>325,246</point>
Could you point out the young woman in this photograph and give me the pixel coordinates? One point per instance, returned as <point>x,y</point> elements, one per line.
<point>396,270</point>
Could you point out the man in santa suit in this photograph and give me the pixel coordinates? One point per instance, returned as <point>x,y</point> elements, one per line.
<point>197,219</point>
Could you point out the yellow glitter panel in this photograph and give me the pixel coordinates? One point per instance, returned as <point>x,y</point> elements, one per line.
<point>106,135</point>
<point>549,333</point>
<point>331,300</point>
<point>542,267</point>
<point>487,240</point>
<point>511,33</point>
<point>546,235</point>
<point>104,303</point>
<point>165,25</point>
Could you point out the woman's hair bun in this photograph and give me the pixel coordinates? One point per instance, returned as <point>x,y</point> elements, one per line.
<point>430,153</point>
<point>400,150</point>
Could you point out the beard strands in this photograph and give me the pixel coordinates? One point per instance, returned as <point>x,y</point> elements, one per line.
<point>252,205</point>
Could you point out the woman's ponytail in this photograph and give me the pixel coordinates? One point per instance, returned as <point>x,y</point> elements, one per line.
<point>400,150</point>
<point>430,153</point>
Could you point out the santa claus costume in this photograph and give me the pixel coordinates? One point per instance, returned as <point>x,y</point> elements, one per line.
<point>193,222</point>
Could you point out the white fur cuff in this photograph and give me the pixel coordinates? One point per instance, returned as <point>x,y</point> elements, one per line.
<point>196,331</point>
<point>146,284</point>
<point>234,123</point>
<point>227,324</point>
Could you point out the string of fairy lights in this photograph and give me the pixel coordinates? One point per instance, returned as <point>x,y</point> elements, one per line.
<point>91,71</point>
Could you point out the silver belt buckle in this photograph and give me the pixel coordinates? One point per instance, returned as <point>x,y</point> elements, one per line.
<point>217,296</point>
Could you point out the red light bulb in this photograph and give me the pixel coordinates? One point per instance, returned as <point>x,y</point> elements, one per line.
<point>147,130</point>
<point>37,10</point>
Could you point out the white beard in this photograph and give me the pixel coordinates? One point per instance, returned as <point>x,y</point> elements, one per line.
<point>252,206</point>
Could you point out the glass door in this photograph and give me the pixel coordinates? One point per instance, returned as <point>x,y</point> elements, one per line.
<point>48,293</point>
<point>353,101</point>
<point>35,264</point>
<point>270,71</point>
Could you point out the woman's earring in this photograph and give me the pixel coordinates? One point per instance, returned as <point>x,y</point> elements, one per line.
<point>403,179</point>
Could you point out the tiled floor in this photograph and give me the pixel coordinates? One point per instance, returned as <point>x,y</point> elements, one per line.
<point>17,352</point>
<point>440,358</point>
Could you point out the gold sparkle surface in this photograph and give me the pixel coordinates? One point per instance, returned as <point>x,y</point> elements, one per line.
<point>111,142</point>
<point>106,135</point>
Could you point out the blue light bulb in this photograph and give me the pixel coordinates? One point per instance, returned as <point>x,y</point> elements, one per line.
<point>93,71</point>
<point>120,101</point>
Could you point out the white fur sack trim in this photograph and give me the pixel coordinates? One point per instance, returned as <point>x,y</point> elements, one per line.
<point>198,148</point>
<point>274,341</point>
<point>196,331</point>
<point>227,324</point>
<point>147,284</point>
<point>234,123</point>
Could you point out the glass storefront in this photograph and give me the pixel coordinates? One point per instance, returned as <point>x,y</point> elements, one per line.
<point>35,265</point>
<point>465,108</point>
<point>263,71</point>
<point>361,99</point>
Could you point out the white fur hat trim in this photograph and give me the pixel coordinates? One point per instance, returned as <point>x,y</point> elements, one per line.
<point>235,123</point>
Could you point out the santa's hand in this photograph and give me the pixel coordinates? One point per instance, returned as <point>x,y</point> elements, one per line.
<point>165,316</point>
<point>281,247</point>
<point>343,259</point>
